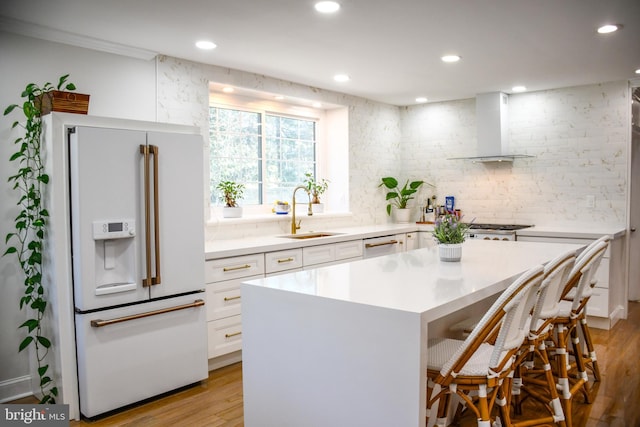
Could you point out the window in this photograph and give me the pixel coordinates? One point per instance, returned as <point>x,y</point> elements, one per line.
<point>268,152</point>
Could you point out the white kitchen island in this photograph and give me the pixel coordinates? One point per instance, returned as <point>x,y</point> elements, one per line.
<point>345,345</point>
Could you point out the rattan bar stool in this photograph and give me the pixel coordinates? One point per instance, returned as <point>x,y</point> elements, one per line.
<point>533,377</point>
<point>478,369</point>
<point>566,323</point>
<point>589,354</point>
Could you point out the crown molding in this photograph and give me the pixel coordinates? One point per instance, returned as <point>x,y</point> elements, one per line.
<point>50,34</point>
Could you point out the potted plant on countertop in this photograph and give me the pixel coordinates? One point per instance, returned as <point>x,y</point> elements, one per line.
<point>450,233</point>
<point>316,188</point>
<point>399,197</point>
<point>231,192</point>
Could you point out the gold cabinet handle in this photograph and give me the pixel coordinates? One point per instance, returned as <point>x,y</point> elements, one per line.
<point>231,298</point>
<point>373,245</point>
<point>98,323</point>
<point>232,334</point>
<point>239,267</point>
<point>285,260</point>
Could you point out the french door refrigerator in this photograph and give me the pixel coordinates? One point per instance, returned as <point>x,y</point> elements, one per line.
<point>137,236</point>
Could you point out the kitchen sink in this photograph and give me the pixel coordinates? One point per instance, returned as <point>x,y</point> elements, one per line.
<point>310,235</point>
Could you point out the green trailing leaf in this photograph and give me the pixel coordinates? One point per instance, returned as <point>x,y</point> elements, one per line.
<point>44,342</point>
<point>25,342</point>
<point>29,182</point>
<point>31,324</point>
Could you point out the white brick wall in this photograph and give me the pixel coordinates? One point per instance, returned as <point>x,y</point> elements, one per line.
<point>578,136</point>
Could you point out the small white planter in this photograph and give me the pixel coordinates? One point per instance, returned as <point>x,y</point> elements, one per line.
<point>402,216</point>
<point>228,212</point>
<point>317,207</point>
<point>450,252</point>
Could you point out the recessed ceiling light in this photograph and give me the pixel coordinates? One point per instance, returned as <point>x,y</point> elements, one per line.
<point>278,97</point>
<point>451,58</point>
<point>341,78</point>
<point>609,28</point>
<point>317,104</point>
<point>205,45</point>
<point>227,89</point>
<point>327,6</point>
<point>638,71</point>
<point>421,99</point>
<point>518,88</point>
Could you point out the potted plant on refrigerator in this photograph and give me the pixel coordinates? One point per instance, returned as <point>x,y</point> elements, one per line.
<point>450,234</point>
<point>231,192</point>
<point>399,197</point>
<point>28,238</point>
<point>316,188</point>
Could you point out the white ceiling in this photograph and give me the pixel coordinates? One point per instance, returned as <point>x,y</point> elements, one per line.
<point>390,49</point>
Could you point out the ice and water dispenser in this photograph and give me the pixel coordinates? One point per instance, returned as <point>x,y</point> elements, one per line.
<point>115,256</point>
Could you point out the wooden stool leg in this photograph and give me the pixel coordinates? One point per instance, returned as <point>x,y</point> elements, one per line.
<point>588,341</point>
<point>563,376</point>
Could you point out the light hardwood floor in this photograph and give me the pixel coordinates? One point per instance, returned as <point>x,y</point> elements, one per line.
<point>218,400</point>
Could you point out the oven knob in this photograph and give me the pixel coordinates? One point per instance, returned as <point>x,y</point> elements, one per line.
<point>496,238</point>
<point>487,238</point>
<point>505,239</point>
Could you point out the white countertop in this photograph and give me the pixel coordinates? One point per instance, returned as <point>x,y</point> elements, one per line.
<point>576,231</point>
<point>417,281</point>
<point>246,246</point>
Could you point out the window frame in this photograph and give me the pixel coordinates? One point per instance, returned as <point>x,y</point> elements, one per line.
<point>281,109</point>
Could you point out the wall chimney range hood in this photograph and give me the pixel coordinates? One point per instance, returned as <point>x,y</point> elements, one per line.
<point>492,121</point>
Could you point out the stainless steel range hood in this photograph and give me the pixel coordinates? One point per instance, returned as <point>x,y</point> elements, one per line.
<point>492,120</point>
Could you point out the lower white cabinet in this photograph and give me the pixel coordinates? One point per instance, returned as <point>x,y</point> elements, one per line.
<point>385,245</point>
<point>225,336</point>
<point>332,253</point>
<point>607,300</point>
<point>279,261</point>
<point>224,321</point>
<point>411,241</point>
<point>426,239</point>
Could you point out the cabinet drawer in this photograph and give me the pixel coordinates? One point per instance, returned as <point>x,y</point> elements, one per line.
<point>598,304</point>
<point>318,254</point>
<point>283,260</point>
<point>378,246</point>
<point>346,250</point>
<point>224,335</point>
<point>218,270</point>
<point>223,298</point>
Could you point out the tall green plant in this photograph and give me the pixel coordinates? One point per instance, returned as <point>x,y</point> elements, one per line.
<point>27,240</point>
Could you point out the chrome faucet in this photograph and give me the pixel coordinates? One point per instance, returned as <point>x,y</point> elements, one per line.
<point>295,226</point>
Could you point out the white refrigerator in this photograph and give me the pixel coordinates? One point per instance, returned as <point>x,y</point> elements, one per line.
<point>137,237</point>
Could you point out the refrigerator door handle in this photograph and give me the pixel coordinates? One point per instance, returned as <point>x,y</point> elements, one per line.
<point>155,151</point>
<point>147,281</point>
<point>98,323</point>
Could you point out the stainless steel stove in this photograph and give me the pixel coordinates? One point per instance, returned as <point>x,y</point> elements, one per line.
<point>494,231</point>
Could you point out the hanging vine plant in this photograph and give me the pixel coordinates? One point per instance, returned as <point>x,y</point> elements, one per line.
<point>27,240</point>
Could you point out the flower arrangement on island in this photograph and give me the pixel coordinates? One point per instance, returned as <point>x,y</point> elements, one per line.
<point>449,230</point>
